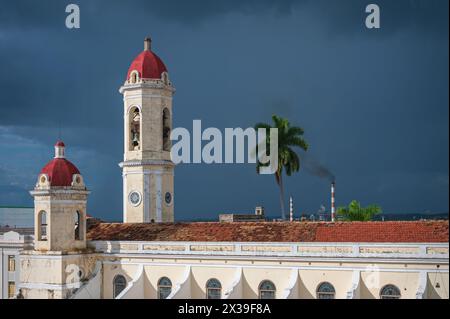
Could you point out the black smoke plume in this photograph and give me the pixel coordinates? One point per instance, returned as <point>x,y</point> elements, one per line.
<point>314,167</point>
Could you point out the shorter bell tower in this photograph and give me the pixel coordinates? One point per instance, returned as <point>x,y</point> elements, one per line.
<point>60,261</point>
<point>60,199</point>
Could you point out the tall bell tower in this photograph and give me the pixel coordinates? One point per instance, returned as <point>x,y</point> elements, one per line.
<point>147,169</point>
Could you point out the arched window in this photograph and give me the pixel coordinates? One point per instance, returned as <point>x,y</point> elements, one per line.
<point>133,77</point>
<point>165,77</point>
<point>325,291</point>
<point>42,226</point>
<point>119,284</point>
<point>134,129</point>
<point>78,226</point>
<point>213,289</point>
<point>390,292</point>
<point>164,288</point>
<point>267,290</point>
<point>166,130</point>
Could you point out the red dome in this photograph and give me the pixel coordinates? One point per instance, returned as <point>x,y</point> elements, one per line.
<point>60,143</point>
<point>60,172</point>
<point>148,65</point>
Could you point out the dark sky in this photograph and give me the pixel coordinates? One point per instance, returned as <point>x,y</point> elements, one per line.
<point>374,103</point>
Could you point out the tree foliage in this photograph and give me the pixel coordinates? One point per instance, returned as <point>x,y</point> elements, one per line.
<point>354,212</point>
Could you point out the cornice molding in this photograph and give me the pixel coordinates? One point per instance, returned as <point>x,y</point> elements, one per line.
<point>149,84</point>
<point>52,191</point>
<point>136,163</point>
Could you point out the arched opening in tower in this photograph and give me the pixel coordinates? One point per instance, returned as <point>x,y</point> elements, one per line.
<point>135,129</point>
<point>77,222</point>
<point>42,227</point>
<point>166,130</point>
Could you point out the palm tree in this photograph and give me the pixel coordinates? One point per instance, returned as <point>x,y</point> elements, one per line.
<point>288,137</point>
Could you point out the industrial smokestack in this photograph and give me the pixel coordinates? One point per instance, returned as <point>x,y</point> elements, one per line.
<point>333,207</point>
<point>291,210</point>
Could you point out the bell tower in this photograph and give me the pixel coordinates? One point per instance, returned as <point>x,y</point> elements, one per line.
<point>60,261</point>
<point>60,199</point>
<point>147,169</point>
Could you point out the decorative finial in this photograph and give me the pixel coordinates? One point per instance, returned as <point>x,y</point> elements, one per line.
<point>59,149</point>
<point>147,44</point>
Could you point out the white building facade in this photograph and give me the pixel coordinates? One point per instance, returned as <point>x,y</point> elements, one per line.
<point>11,244</point>
<point>269,270</point>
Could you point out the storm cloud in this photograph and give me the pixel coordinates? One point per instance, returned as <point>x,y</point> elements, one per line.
<point>336,13</point>
<point>373,103</point>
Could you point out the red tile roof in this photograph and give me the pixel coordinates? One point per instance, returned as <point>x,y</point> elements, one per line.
<point>395,232</point>
<point>148,65</point>
<point>60,172</point>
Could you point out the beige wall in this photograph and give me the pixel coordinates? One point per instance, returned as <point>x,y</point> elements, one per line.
<point>437,285</point>
<point>193,264</point>
<point>154,273</point>
<point>406,282</point>
<point>47,276</point>
<point>311,279</point>
<point>200,277</point>
<point>152,102</point>
<point>152,182</point>
<point>253,277</point>
<point>152,174</point>
<point>303,281</point>
<point>111,271</point>
<point>61,205</point>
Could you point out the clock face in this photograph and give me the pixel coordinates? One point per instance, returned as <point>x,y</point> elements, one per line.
<point>168,198</point>
<point>135,198</point>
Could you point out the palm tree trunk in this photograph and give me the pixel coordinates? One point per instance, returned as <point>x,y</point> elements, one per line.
<point>280,184</point>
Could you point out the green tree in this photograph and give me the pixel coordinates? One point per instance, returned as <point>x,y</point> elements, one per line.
<point>354,212</point>
<point>288,160</point>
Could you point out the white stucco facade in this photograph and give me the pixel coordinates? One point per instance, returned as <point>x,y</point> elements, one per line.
<point>11,244</point>
<point>356,271</point>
